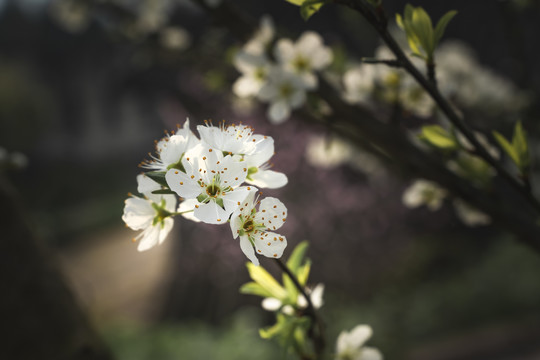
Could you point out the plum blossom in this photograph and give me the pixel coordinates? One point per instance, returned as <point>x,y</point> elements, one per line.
<point>284,91</point>
<point>152,214</point>
<point>359,83</point>
<point>252,226</point>
<point>424,192</point>
<point>350,345</point>
<point>304,57</point>
<point>213,180</point>
<point>171,148</point>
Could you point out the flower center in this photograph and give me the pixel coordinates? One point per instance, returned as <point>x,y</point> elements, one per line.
<point>212,190</point>
<point>248,226</point>
<point>301,64</point>
<point>286,90</point>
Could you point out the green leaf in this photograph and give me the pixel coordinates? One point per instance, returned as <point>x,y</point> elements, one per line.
<point>507,147</point>
<point>296,2</point>
<point>423,29</point>
<point>439,137</point>
<point>399,21</point>
<point>157,176</point>
<point>519,143</point>
<point>441,25</point>
<point>266,281</point>
<point>310,7</point>
<point>406,22</point>
<point>297,256</point>
<point>252,288</point>
<point>303,273</point>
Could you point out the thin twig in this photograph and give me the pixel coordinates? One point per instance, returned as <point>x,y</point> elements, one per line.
<point>318,336</point>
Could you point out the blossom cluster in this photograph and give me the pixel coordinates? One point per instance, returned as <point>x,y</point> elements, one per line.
<point>282,75</point>
<point>217,177</point>
<point>460,78</point>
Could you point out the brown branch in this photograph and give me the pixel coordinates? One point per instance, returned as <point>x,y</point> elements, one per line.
<point>317,336</point>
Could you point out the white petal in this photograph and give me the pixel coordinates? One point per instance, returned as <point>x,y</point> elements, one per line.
<point>269,244</point>
<point>236,225</point>
<point>145,185</point>
<point>298,98</point>
<point>317,296</point>
<point>308,42</point>
<point>369,353</point>
<point>186,205</point>
<point>138,213</point>
<point>284,50</point>
<point>268,179</point>
<point>263,151</point>
<point>246,86</point>
<point>182,184</point>
<point>248,250</point>
<point>272,213</point>
<point>271,304</point>
<point>278,112</point>
<point>165,230</point>
<point>359,335</point>
<point>148,238</point>
<point>232,198</point>
<point>211,213</point>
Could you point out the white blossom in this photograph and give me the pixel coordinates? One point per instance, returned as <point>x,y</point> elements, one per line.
<point>254,227</point>
<point>284,91</point>
<point>424,192</point>
<point>151,214</point>
<point>304,57</point>
<point>171,148</point>
<point>262,38</point>
<point>213,180</point>
<point>350,345</point>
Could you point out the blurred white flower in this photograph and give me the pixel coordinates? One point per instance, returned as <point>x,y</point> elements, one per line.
<point>424,192</point>
<point>304,57</point>
<point>413,98</point>
<point>254,69</point>
<point>359,83</point>
<point>325,152</point>
<point>284,91</point>
<point>174,38</point>
<point>213,180</point>
<point>252,226</point>
<point>350,345</point>
<point>469,215</point>
<point>73,15</point>
<point>151,214</point>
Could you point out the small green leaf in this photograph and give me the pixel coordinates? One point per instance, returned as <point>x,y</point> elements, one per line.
<point>310,7</point>
<point>303,272</point>
<point>399,21</point>
<point>157,176</point>
<point>266,281</point>
<point>507,147</point>
<point>423,29</point>
<point>441,25</point>
<point>252,288</point>
<point>439,137</point>
<point>519,143</point>
<point>297,256</point>
<point>296,2</point>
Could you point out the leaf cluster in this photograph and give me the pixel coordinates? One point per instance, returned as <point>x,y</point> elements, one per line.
<point>421,36</point>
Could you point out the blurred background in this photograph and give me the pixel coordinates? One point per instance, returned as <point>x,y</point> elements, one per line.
<point>87,86</point>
